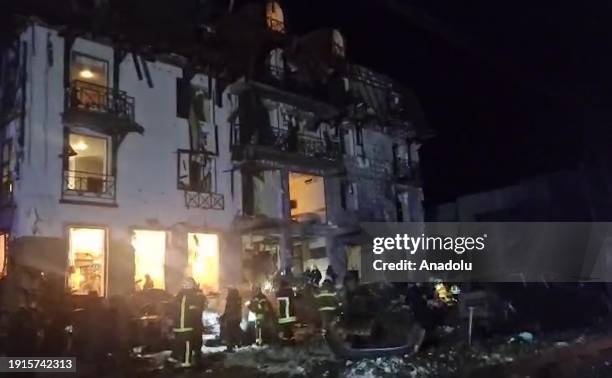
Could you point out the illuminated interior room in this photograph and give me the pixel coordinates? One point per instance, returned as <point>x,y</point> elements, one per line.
<point>307,195</point>
<point>203,260</point>
<point>87,261</point>
<point>149,257</point>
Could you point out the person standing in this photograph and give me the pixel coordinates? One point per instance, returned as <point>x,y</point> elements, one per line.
<point>188,327</point>
<point>316,276</point>
<point>327,304</point>
<point>286,311</point>
<point>261,307</point>
<point>230,320</point>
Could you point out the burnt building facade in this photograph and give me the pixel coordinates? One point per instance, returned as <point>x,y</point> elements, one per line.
<point>223,147</point>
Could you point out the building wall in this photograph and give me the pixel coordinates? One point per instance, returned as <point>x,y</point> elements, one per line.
<point>147,164</point>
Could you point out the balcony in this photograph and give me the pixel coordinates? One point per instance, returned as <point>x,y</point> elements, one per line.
<point>196,175</point>
<point>94,188</point>
<point>282,145</point>
<point>280,84</point>
<point>100,108</point>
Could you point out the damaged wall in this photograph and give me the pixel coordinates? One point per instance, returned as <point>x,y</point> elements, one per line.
<point>146,178</point>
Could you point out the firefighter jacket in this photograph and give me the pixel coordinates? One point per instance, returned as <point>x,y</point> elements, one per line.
<point>260,306</point>
<point>326,300</point>
<point>191,303</point>
<point>286,306</point>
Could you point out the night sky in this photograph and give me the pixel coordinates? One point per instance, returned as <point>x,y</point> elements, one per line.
<point>509,87</point>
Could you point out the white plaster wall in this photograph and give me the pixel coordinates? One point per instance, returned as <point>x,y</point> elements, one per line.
<point>147,164</point>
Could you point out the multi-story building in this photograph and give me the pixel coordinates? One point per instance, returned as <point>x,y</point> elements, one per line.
<point>119,165</point>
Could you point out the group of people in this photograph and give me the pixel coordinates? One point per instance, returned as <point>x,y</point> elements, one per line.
<point>267,323</point>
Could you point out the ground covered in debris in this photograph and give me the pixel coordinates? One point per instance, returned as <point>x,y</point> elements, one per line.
<point>455,359</point>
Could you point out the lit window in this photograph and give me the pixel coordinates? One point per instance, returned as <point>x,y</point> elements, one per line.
<point>203,260</point>
<point>149,258</point>
<point>275,17</point>
<point>88,166</point>
<point>3,257</point>
<point>87,261</point>
<point>89,70</point>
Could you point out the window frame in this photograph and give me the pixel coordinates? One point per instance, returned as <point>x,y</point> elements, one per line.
<point>107,239</point>
<point>106,62</point>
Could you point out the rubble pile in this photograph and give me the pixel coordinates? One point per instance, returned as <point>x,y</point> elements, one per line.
<point>285,361</point>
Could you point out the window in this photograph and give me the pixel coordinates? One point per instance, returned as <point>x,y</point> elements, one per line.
<point>149,259</point>
<point>87,261</point>
<point>275,18</point>
<point>3,254</point>
<point>6,191</point>
<point>88,164</point>
<point>89,70</point>
<point>203,260</point>
<point>308,194</point>
<point>196,171</point>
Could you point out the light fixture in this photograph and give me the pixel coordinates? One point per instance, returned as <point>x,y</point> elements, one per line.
<point>86,73</point>
<point>80,146</point>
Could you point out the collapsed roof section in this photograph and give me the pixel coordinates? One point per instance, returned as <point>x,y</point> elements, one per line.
<point>244,41</point>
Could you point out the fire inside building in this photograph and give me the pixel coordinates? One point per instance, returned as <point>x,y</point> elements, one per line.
<point>126,156</point>
<point>162,162</point>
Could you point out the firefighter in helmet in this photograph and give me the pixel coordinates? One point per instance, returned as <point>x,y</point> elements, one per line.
<point>260,306</point>
<point>286,311</point>
<point>188,327</point>
<point>327,303</point>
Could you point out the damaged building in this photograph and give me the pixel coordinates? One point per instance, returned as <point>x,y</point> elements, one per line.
<point>223,147</point>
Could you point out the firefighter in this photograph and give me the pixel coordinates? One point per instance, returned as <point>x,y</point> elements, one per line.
<point>286,311</point>
<point>188,326</point>
<point>327,303</point>
<point>260,306</point>
<point>331,275</point>
<point>230,320</point>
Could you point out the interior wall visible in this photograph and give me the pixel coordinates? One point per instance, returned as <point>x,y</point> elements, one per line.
<point>267,193</point>
<point>307,193</point>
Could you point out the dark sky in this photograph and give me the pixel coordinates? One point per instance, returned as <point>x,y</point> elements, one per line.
<point>507,85</point>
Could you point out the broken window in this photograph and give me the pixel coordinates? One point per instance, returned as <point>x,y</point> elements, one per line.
<point>88,165</point>
<point>307,193</point>
<point>275,18</point>
<point>196,171</point>
<point>7,179</point>
<point>203,260</point>
<point>87,261</point>
<point>149,259</point>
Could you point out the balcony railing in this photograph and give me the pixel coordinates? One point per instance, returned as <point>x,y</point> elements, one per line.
<point>100,99</point>
<point>285,140</point>
<point>212,201</point>
<point>78,185</point>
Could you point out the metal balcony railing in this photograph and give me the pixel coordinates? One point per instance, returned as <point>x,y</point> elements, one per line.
<point>285,140</point>
<point>100,99</point>
<point>88,186</point>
